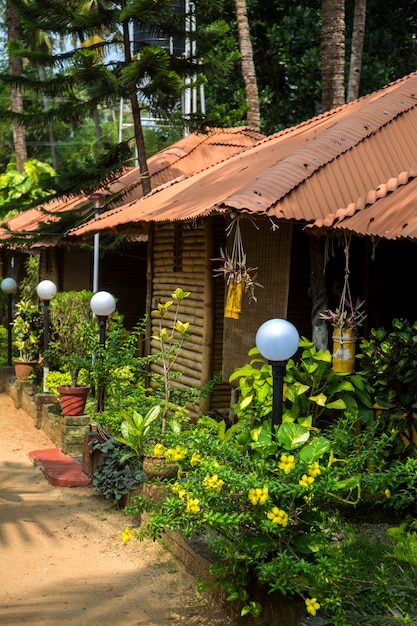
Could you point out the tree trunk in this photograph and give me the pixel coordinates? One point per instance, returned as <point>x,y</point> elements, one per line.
<point>253,117</point>
<point>358,35</point>
<point>16,69</point>
<point>137,122</point>
<point>333,53</point>
<point>318,293</point>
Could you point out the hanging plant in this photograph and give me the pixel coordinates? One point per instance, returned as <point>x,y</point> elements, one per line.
<point>238,276</point>
<point>345,319</point>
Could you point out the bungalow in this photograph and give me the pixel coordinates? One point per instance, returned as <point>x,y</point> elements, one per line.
<point>293,198</point>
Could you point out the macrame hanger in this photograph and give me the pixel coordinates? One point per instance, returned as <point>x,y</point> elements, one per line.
<point>238,252</point>
<point>346,288</point>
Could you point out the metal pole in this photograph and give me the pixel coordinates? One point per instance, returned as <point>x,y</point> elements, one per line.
<point>102,323</point>
<point>45,344</point>
<point>102,319</point>
<point>278,373</point>
<point>9,329</point>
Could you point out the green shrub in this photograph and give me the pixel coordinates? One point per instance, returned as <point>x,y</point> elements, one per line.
<point>3,345</point>
<point>115,477</point>
<point>276,507</point>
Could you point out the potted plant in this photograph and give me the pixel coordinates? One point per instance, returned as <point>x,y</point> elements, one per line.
<point>238,276</point>
<point>71,333</point>
<point>144,437</point>
<point>27,332</point>
<point>345,319</point>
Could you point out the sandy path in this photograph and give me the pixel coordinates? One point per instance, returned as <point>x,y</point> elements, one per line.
<point>62,560</point>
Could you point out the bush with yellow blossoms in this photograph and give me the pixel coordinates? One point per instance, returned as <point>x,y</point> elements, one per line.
<point>271,508</point>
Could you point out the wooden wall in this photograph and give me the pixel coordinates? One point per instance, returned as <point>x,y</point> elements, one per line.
<point>181,258</point>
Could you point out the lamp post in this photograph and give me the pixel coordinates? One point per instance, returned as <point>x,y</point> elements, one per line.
<point>96,199</point>
<point>277,340</point>
<point>46,290</point>
<point>102,305</point>
<point>8,287</point>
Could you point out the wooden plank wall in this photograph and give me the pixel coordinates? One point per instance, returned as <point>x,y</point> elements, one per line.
<point>179,258</point>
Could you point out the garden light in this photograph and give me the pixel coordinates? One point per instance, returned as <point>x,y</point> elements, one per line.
<point>277,340</point>
<point>8,287</point>
<point>102,304</point>
<point>46,290</point>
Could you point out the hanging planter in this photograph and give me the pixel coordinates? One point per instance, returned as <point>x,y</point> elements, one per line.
<point>344,346</point>
<point>234,300</point>
<point>239,278</point>
<point>345,319</point>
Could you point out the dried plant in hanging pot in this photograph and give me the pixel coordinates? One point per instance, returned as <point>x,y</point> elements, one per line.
<point>238,276</point>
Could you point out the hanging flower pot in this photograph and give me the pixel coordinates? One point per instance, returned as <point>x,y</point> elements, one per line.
<point>234,300</point>
<point>73,399</point>
<point>238,276</point>
<point>344,345</point>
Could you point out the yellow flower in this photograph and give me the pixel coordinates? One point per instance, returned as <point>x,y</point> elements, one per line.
<point>213,482</point>
<point>192,505</point>
<point>175,454</point>
<point>159,449</point>
<point>287,463</point>
<point>314,469</point>
<point>179,490</point>
<point>278,516</point>
<point>306,480</point>
<point>312,606</point>
<point>257,495</point>
<point>195,459</point>
<point>127,534</point>
<point>387,493</point>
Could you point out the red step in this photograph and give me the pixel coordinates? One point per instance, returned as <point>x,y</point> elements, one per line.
<point>60,469</point>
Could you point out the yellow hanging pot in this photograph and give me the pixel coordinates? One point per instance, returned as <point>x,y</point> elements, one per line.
<point>234,300</point>
<point>344,346</point>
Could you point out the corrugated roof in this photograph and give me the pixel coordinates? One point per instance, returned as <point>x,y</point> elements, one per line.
<point>388,211</point>
<point>193,153</point>
<point>305,173</point>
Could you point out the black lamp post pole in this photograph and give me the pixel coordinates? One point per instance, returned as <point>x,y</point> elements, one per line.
<point>9,329</point>
<point>102,324</point>
<point>45,343</point>
<point>278,373</point>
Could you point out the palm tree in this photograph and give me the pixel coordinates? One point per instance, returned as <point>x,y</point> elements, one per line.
<point>358,35</point>
<point>333,53</point>
<point>248,66</point>
<point>16,69</point>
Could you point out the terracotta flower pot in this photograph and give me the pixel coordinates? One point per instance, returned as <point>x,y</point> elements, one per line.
<point>24,369</point>
<point>159,467</point>
<point>73,399</point>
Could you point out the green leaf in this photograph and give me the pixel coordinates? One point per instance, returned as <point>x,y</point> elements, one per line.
<point>320,399</point>
<point>315,450</point>
<point>245,402</point>
<point>337,404</point>
<point>292,435</point>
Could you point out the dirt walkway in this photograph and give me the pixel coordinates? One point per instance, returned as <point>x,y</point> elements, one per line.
<point>62,560</point>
